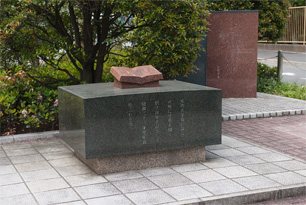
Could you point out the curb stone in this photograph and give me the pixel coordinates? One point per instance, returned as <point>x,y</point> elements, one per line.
<point>263,114</point>
<point>256,197</point>
<point>29,136</point>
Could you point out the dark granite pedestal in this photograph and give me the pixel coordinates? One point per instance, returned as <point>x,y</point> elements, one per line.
<point>113,129</point>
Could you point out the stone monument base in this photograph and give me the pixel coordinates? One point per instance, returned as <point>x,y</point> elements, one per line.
<point>144,160</point>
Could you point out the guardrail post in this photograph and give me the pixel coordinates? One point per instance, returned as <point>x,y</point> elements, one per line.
<point>280,65</point>
<point>304,38</point>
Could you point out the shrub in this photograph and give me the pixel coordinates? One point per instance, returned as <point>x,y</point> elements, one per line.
<point>26,104</point>
<point>267,82</point>
<point>266,72</point>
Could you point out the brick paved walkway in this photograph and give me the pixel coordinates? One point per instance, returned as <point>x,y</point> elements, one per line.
<point>284,134</point>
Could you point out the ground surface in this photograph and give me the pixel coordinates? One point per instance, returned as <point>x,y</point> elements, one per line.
<point>47,172</point>
<point>284,134</point>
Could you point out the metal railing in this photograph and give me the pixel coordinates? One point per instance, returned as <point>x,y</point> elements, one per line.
<point>295,31</point>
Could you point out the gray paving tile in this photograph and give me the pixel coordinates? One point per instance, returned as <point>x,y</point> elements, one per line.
<point>110,200</point>
<point>32,166</point>
<point>5,161</point>
<point>20,152</point>
<point>39,175</point>
<point>231,142</point>
<point>65,162</point>
<point>97,190</point>
<point>156,171</point>
<point>188,201</point>
<point>264,168</point>
<point>225,186</point>
<point>216,147</point>
<point>187,192</point>
<point>253,150</point>
<point>134,185</point>
<point>272,157</point>
<point>235,171</point>
<point>13,190</point>
<point>10,179</point>
<point>2,154</point>
<point>209,155</point>
<point>47,185</point>
<point>46,142</point>
<point>17,146</point>
<point>188,167</point>
<point>26,159</point>
<point>56,196</point>
<point>26,199</point>
<point>256,182</point>
<point>203,176</point>
<point>170,180</point>
<point>57,155</point>
<point>301,172</point>
<point>263,103</point>
<point>228,152</point>
<point>74,170</point>
<point>218,162</point>
<point>291,165</point>
<point>7,169</point>
<point>123,176</point>
<point>52,148</point>
<point>245,159</point>
<point>73,203</point>
<point>150,197</point>
<point>287,178</point>
<point>85,179</point>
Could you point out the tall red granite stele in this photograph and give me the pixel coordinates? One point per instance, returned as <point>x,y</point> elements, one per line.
<point>232,53</point>
<point>141,76</point>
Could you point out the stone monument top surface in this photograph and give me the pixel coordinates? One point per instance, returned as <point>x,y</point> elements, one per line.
<point>96,90</point>
<point>140,76</point>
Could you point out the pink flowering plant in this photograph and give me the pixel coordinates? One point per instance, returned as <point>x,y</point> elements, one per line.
<point>24,101</point>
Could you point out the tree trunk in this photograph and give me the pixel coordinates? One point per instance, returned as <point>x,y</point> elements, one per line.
<point>88,72</point>
<point>99,70</point>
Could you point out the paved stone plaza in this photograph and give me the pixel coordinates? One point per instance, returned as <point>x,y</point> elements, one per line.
<point>264,105</point>
<point>252,164</point>
<point>46,172</point>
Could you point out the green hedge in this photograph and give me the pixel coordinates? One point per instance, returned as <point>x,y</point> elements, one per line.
<point>267,82</point>
<point>25,103</point>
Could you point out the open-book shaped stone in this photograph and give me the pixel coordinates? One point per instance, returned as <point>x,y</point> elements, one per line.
<point>141,76</point>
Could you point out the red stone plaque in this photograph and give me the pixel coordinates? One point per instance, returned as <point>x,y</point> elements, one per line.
<point>141,76</point>
<point>232,53</point>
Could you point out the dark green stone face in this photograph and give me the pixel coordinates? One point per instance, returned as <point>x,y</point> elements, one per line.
<point>98,120</point>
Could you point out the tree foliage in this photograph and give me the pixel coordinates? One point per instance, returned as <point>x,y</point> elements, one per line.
<point>272,14</point>
<point>89,33</point>
<point>298,2</point>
